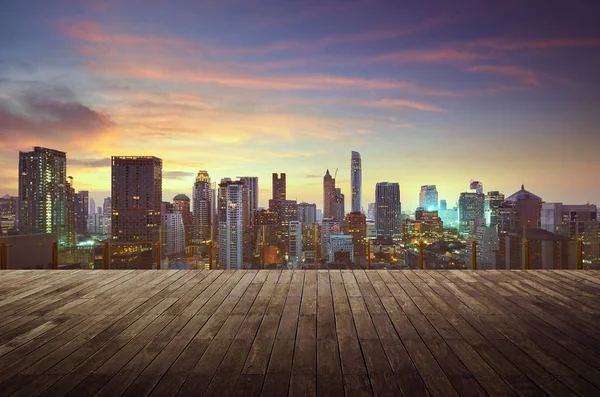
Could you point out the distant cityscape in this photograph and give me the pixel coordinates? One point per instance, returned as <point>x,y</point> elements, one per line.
<point>220,225</point>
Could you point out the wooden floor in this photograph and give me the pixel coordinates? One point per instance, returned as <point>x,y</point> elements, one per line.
<point>271,332</point>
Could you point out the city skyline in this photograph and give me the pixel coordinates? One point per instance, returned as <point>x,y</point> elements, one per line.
<point>499,94</point>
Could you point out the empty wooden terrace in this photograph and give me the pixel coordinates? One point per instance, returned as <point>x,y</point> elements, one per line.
<point>302,333</point>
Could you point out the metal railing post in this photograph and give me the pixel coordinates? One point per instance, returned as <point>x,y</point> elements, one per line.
<point>54,256</point>
<point>106,257</point>
<point>421,255</point>
<point>579,255</point>
<point>368,254</point>
<point>474,255</point>
<point>158,255</point>
<point>4,256</point>
<point>526,246</point>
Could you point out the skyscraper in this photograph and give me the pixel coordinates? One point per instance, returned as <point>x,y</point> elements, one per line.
<point>174,231</point>
<point>443,205</point>
<point>356,181</point>
<point>476,185</point>
<point>338,206</point>
<point>307,213</point>
<point>493,201</point>
<point>181,203</point>
<point>202,198</point>
<point>136,197</point>
<point>44,194</point>
<point>428,198</point>
<point>356,226</point>
<point>252,186</point>
<point>231,223</point>
<point>328,191</point>
<point>295,242</point>
<point>387,209</point>
<point>81,212</point>
<point>279,186</point>
<point>329,227</point>
<point>470,208</point>
<point>92,209</point>
<point>522,209</point>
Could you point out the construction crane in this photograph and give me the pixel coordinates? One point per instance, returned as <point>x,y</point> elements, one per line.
<point>335,176</point>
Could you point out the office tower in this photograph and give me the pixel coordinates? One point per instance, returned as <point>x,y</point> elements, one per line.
<point>387,209</point>
<point>286,211</point>
<point>9,208</point>
<point>279,188</point>
<point>476,185</point>
<point>307,213</point>
<point>356,181</point>
<point>329,227</point>
<point>470,207</point>
<point>231,214</point>
<point>202,218</point>
<point>136,199</point>
<point>493,201</point>
<point>43,194</point>
<point>443,205</point>
<point>328,192</point>
<point>295,242</point>
<point>341,248</point>
<point>174,233</point>
<point>371,212</point>
<point>428,198</point>
<point>92,206</point>
<point>319,214</point>
<point>427,221</point>
<point>356,226</point>
<point>488,245</point>
<point>107,207</point>
<point>338,206</point>
<point>81,212</point>
<point>252,185</point>
<point>181,203</point>
<point>522,209</point>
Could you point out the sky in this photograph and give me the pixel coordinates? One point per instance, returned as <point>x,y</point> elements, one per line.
<point>429,92</point>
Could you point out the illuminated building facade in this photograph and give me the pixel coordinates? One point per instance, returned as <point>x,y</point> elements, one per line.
<point>136,198</point>
<point>202,201</point>
<point>44,194</point>
<point>173,232</point>
<point>356,181</point>
<point>295,242</point>
<point>279,186</point>
<point>181,203</point>
<point>493,202</point>
<point>9,208</point>
<point>231,223</point>
<point>387,209</point>
<point>329,227</point>
<point>252,186</point>
<point>81,212</point>
<point>470,207</point>
<point>338,206</point>
<point>341,248</point>
<point>522,209</point>
<point>356,226</point>
<point>428,198</point>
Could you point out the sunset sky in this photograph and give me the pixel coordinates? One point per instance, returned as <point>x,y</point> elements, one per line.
<point>429,92</point>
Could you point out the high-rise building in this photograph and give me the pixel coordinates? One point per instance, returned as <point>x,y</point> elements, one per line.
<point>181,203</point>
<point>328,192</point>
<point>387,209</point>
<point>136,199</point>
<point>252,185</point>
<point>295,242</point>
<point>107,207</point>
<point>173,231</point>
<point>356,226</point>
<point>338,206</point>
<point>488,244</point>
<point>44,194</point>
<point>202,201</point>
<point>329,227</point>
<point>92,208</point>
<point>307,213</point>
<point>81,212</point>
<point>493,202</point>
<point>371,212</point>
<point>522,209</point>
<point>428,198</point>
<point>470,208</point>
<point>356,181</point>
<point>9,209</point>
<point>279,186</point>
<point>231,223</point>
<point>341,248</point>
<point>286,211</point>
<point>443,205</point>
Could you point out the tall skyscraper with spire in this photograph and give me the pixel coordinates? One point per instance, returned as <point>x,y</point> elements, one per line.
<point>328,193</point>
<point>356,181</point>
<point>202,204</point>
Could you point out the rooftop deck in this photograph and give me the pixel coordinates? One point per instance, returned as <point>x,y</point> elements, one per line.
<point>272,332</point>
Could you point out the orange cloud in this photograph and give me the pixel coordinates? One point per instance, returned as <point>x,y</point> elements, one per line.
<point>428,56</point>
<point>524,75</point>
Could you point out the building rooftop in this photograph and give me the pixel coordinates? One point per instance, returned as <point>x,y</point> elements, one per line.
<point>274,332</point>
<point>181,196</point>
<point>521,195</point>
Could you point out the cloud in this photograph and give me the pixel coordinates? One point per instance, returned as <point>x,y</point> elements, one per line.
<point>387,103</point>
<point>178,174</point>
<point>524,75</point>
<point>313,176</point>
<point>91,163</point>
<point>515,45</point>
<point>428,56</point>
